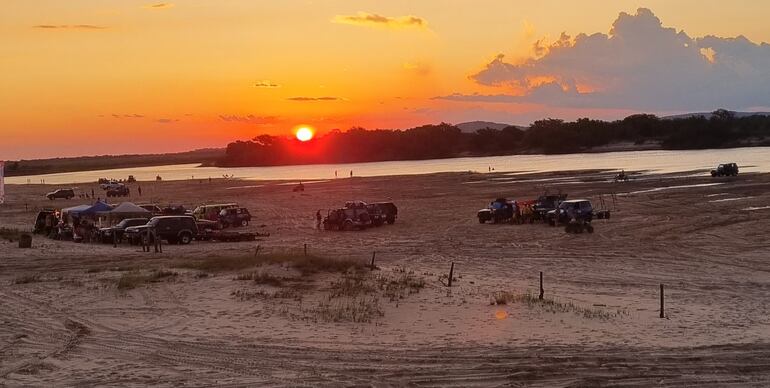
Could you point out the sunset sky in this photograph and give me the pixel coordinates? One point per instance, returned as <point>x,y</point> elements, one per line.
<point>117,76</point>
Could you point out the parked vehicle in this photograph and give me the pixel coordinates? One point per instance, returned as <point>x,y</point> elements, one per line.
<point>207,225</point>
<point>347,219</point>
<point>45,221</point>
<point>211,212</point>
<point>111,185</point>
<point>120,191</point>
<point>725,169</point>
<point>238,216</point>
<point>388,210</point>
<point>131,179</point>
<point>61,193</point>
<point>174,229</point>
<point>115,232</point>
<point>545,204</point>
<point>572,210</point>
<point>153,208</point>
<point>499,211</point>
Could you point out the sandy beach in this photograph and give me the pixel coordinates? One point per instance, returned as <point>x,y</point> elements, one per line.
<point>67,321</point>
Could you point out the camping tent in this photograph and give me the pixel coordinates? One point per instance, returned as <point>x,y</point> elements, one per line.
<point>123,211</point>
<point>97,207</point>
<point>74,211</point>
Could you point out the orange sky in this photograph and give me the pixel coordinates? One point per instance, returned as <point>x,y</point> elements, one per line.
<point>116,76</point>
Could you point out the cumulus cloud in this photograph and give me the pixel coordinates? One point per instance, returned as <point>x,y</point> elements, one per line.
<point>267,85</point>
<point>159,6</point>
<point>315,98</point>
<point>69,27</point>
<point>639,64</point>
<point>366,19</point>
<point>252,119</point>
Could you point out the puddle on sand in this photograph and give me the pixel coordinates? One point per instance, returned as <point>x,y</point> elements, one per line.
<point>729,199</point>
<point>244,187</point>
<point>671,188</point>
<point>755,208</point>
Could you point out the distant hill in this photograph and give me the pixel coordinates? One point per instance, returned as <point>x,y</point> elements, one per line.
<point>707,115</point>
<point>473,126</point>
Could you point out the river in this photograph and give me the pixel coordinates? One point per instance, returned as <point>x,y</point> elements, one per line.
<point>753,159</point>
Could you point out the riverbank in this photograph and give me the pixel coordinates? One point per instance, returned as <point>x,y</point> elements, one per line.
<point>752,159</point>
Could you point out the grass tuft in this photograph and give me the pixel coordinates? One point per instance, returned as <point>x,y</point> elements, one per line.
<point>10,234</point>
<point>135,279</point>
<point>261,277</point>
<point>26,279</point>
<point>553,306</point>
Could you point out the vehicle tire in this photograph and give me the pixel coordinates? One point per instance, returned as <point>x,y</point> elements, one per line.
<point>224,224</point>
<point>185,238</point>
<point>481,220</point>
<point>589,228</point>
<point>244,223</point>
<point>391,221</point>
<point>348,225</point>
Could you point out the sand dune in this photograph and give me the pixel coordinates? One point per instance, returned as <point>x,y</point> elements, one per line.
<point>66,322</point>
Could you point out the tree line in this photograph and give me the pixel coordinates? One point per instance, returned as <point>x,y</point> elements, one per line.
<point>550,136</point>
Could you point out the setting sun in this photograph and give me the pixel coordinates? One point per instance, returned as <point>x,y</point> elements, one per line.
<point>304,133</point>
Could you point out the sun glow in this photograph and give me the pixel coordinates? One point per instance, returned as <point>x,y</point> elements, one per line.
<point>304,133</point>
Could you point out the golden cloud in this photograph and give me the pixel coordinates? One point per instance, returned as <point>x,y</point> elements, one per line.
<point>373,20</point>
<point>69,27</point>
<point>159,6</point>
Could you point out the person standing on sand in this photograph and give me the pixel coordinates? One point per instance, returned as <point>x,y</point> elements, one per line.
<point>92,194</point>
<point>139,189</point>
<point>351,173</point>
<point>318,220</point>
<point>335,174</point>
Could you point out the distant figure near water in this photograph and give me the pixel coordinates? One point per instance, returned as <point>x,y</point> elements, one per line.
<point>351,173</point>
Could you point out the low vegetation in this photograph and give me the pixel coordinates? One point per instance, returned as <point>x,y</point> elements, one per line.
<point>134,279</point>
<point>10,234</point>
<point>304,264</point>
<point>261,277</point>
<point>26,279</point>
<point>553,306</point>
<point>357,310</point>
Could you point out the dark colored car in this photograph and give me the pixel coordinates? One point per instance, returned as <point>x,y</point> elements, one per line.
<point>61,193</point>
<point>115,232</point>
<point>388,210</point>
<point>499,210</point>
<point>576,209</point>
<point>726,169</point>
<point>545,204</point>
<point>347,219</point>
<point>120,191</point>
<point>174,229</point>
<point>234,217</point>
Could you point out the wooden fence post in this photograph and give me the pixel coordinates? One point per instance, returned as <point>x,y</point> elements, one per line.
<point>114,239</point>
<point>372,266</point>
<point>662,314</point>
<point>542,291</point>
<point>305,250</point>
<point>451,274</point>
<point>256,251</point>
